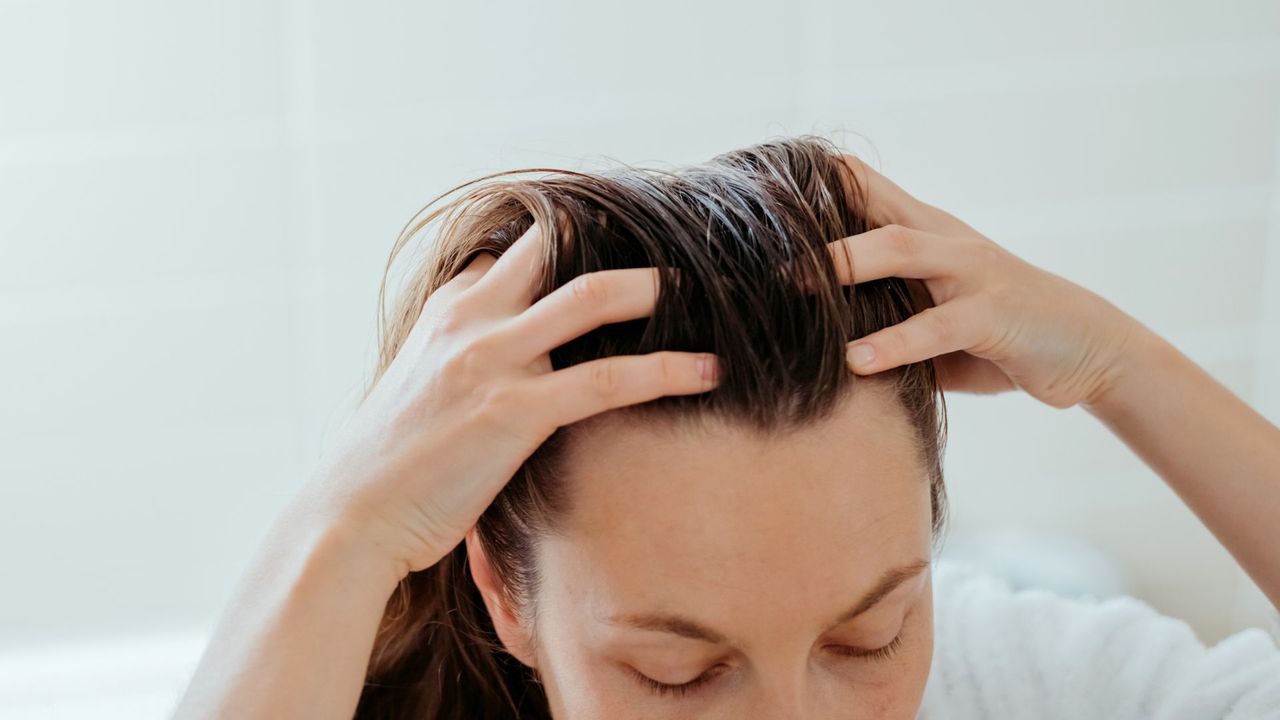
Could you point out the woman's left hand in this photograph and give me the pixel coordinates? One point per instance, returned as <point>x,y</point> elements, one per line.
<point>998,322</point>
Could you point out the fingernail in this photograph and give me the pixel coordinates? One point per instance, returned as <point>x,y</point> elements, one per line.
<point>707,367</point>
<point>862,354</point>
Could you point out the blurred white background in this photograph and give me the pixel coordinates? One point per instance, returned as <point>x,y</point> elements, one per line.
<point>197,200</point>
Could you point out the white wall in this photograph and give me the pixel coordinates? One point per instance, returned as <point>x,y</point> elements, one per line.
<point>196,202</point>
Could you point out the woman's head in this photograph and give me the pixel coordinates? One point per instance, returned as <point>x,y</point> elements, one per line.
<point>734,539</point>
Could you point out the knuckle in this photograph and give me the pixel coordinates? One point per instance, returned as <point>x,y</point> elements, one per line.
<point>902,239</point>
<point>469,362</point>
<point>898,346</point>
<point>450,319</point>
<point>498,401</point>
<point>985,253</point>
<point>940,325</point>
<point>502,408</point>
<point>668,370</point>
<point>604,377</point>
<point>589,289</point>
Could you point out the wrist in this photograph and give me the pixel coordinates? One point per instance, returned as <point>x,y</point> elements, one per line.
<point>1140,351</point>
<point>335,545</point>
<point>295,640</point>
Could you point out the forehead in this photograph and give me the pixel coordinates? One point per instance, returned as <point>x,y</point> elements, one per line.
<point>711,509</point>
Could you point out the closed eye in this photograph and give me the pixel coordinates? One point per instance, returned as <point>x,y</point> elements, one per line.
<point>881,653</point>
<point>679,689</point>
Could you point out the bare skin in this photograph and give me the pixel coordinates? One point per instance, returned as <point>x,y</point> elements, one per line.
<point>296,639</point>
<point>1002,323</point>
<point>391,496</point>
<point>761,546</point>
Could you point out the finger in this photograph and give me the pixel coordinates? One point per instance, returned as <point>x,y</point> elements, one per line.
<point>481,264</point>
<point>429,315</point>
<point>952,326</point>
<point>894,251</point>
<point>511,279</point>
<point>580,391</point>
<point>887,203</point>
<point>585,302</point>
<point>962,372</point>
<point>467,277</point>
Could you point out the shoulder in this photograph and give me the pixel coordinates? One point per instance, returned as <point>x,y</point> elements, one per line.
<point>1001,652</point>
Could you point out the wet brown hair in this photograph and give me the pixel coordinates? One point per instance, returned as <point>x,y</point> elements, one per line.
<point>746,234</point>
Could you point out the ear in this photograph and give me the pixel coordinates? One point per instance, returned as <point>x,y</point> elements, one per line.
<point>505,622</point>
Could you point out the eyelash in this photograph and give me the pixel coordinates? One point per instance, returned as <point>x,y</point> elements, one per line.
<point>661,688</point>
<point>880,653</point>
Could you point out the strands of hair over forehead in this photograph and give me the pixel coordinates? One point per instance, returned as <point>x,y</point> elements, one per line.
<point>741,249</point>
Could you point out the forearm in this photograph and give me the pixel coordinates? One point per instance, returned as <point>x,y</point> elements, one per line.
<point>295,642</point>
<point>1218,454</point>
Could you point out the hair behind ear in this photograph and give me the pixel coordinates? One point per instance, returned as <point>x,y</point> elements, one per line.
<point>438,656</point>
<point>507,624</point>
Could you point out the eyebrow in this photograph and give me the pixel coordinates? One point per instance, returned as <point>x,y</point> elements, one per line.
<point>687,628</point>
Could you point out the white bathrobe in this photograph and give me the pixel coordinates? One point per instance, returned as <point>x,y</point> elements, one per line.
<point>1001,654</point>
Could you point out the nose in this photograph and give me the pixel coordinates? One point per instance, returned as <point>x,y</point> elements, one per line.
<point>783,697</point>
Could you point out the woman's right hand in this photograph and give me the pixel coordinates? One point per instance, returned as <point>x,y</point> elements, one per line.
<point>471,394</point>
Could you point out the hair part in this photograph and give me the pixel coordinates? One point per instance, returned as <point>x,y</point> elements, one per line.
<point>741,249</point>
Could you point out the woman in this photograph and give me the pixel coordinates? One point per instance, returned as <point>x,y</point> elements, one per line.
<point>615,464</point>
